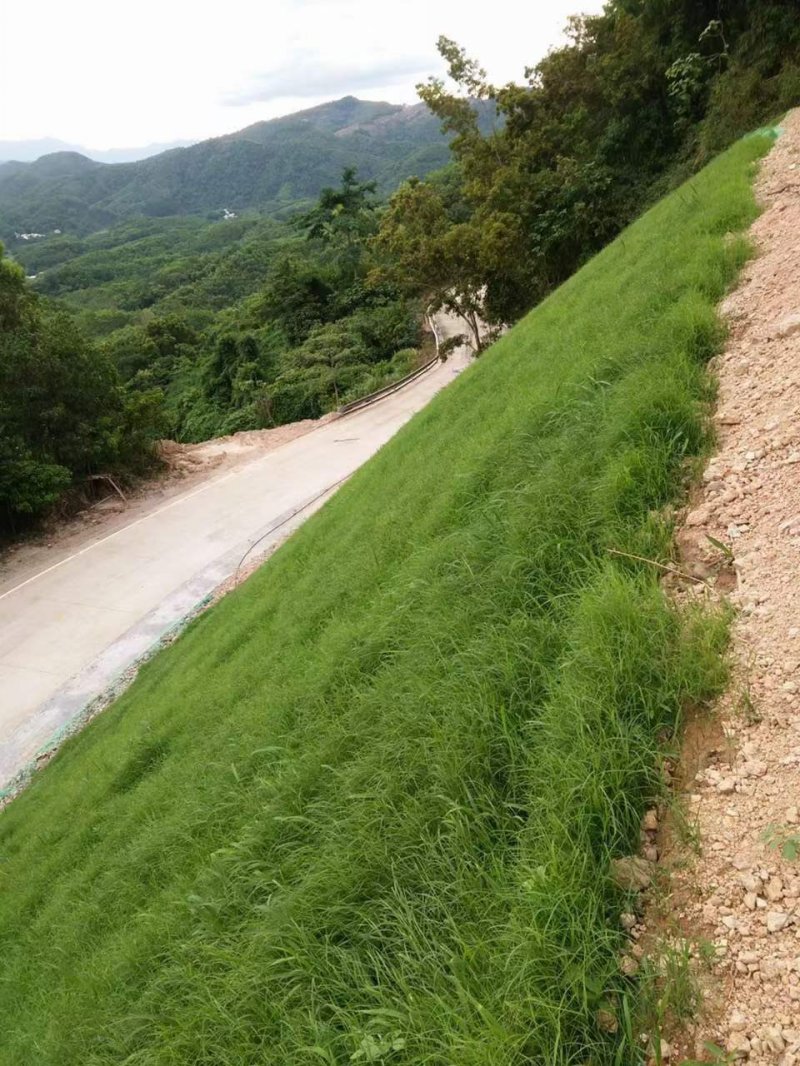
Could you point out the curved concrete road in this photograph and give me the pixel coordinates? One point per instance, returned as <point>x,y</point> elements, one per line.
<point>69,630</point>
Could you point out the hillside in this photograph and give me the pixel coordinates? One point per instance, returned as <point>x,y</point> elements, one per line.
<point>29,151</point>
<point>365,809</point>
<point>267,166</point>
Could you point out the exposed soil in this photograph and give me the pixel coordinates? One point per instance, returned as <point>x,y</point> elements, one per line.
<point>741,892</point>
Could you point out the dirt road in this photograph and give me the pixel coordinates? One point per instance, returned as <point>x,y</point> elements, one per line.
<point>75,620</point>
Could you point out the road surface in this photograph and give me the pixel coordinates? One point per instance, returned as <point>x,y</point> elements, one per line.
<point>70,629</point>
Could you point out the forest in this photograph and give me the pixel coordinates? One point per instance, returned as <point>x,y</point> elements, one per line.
<point>198,322</point>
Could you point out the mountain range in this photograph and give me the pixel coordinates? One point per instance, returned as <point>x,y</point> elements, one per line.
<point>28,151</point>
<point>267,166</point>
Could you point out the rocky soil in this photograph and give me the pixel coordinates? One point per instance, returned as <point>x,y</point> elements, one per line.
<point>741,893</point>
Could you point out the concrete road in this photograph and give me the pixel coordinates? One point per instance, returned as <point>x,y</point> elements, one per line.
<point>69,630</point>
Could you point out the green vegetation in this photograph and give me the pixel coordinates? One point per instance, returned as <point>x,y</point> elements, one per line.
<point>64,416</point>
<point>270,166</point>
<point>363,810</point>
<point>241,323</point>
<point>642,95</point>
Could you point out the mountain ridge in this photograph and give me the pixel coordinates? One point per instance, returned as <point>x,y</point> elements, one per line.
<point>264,166</point>
<point>31,150</point>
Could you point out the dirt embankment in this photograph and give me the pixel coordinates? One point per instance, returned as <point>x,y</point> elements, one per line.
<point>741,893</point>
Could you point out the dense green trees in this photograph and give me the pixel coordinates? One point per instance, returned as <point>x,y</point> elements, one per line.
<point>322,327</point>
<point>63,413</point>
<point>642,94</point>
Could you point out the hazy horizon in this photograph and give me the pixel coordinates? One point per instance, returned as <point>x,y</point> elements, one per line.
<point>187,73</point>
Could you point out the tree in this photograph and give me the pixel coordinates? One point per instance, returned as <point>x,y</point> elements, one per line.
<point>342,220</point>
<point>63,412</point>
<point>428,256</point>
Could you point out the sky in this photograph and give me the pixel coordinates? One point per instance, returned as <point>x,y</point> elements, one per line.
<point>133,72</point>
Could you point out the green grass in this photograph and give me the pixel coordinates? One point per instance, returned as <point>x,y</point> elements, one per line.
<point>363,810</point>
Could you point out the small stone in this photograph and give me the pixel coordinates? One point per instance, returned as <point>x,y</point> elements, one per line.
<point>627,920</point>
<point>749,882</point>
<point>773,889</point>
<point>666,1050</point>
<point>698,517</point>
<point>773,1040</point>
<point>632,873</point>
<point>750,900</point>
<point>789,686</point>
<point>606,1021</point>
<point>738,1045</point>
<point>629,965</point>
<point>726,785</point>
<point>754,768</point>
<point>650,821</point>
<point>776,920</point>
<point>738,1022</point>
<point>789,324</point>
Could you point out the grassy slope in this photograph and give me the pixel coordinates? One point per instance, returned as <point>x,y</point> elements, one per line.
<point>363,810</point>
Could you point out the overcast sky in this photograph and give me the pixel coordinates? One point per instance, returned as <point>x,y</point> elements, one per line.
<point>108,74</point>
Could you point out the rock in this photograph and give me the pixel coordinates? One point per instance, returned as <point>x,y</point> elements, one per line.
<point>750,900</point>
<point>773,1040</point>
<point>627,920</point>
<point>787,325</point>
<point>754,768</point>
<point>773,889</point>
<point>749,958</point>
<point>749,882</point>
<point>772,968</point>
<point>632,873</point>
<point>666,1050</point>
<point>650,852</point>
<point>698,517</point>
<point>738,1022</point>
<point>776,920</point>
<point>629,965</point>
<point>650,822</point>
<point>738,1045</point>
<point>726,785</point>
<point>607,1021</point>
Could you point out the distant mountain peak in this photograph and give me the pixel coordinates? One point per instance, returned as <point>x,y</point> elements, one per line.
<point>270,166</point>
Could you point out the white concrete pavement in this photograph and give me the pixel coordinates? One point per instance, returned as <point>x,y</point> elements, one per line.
<point>67,631</point>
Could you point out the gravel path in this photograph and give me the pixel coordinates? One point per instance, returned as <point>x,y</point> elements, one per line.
<point>743,892</point>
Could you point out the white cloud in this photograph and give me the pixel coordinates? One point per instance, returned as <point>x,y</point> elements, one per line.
<point>106,75</point>
<point>310,74</point>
